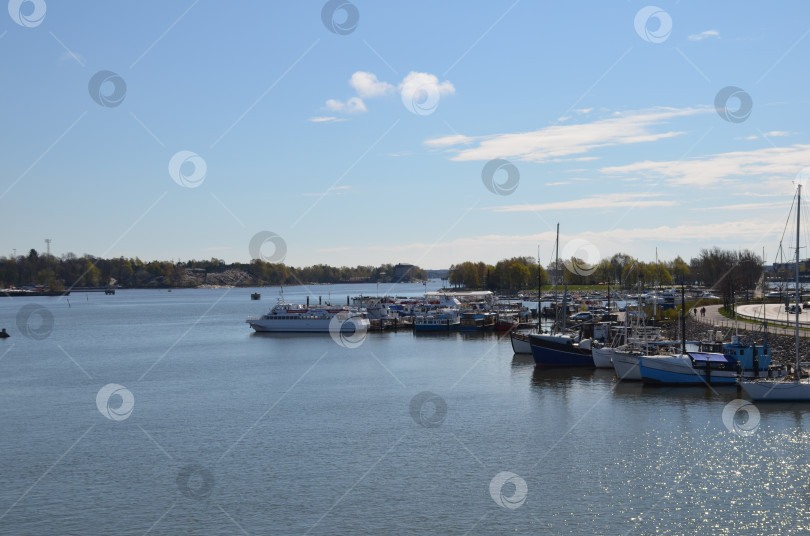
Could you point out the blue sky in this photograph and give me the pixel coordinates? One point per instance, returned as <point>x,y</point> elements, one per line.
<point>365,142</point>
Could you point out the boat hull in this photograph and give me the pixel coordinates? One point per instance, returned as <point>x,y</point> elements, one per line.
<point>520,343</point>
<point>550,351</point>
<point>626,366</point>
<point>435,327</point>
<point>678,370</point>
<point>602,357</point>
<point>775,391</point>
<point>304,326</point>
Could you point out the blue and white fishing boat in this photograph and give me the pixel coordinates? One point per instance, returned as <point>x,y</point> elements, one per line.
<point>754,360</point>
<point>689,368</point>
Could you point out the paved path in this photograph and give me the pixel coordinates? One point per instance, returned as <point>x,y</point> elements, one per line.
<point>773,311</point>
<point>715,319</point>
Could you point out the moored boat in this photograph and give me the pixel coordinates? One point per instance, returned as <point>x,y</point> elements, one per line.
<point>296,318</point>
<point>688,368</point>
<point>441,320</point>
<point>625,364</point>
<point>477,321</point>
<point>520,342</point>
<point>560,351</point>
<point>602,357</point>
<point>784,390</point>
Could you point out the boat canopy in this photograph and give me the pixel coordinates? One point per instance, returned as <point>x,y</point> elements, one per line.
<point>711,358</point>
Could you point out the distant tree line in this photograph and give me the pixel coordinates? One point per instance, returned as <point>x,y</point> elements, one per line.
<point>728,272</point>
<point>70,271</point>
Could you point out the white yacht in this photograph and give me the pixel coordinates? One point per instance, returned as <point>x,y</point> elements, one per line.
<point>296,318</point>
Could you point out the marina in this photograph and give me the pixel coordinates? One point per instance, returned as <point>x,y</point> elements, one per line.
<point>234,407</point>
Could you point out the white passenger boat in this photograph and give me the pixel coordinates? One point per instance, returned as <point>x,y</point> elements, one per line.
<point>296,318</point>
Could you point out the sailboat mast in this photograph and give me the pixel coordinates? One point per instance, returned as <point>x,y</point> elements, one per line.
<point>539,293</point>
<point>557,319</point>
<point>798,294</point>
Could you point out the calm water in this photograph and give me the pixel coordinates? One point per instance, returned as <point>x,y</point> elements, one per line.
<point>216,430</point>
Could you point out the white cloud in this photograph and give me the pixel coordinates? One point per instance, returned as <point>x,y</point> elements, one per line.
<point>355,105</point>
<point>775,133</point>
<point>449,141</point>
<point>703,35</point>
<point>604,201</point>
<point>746,206</point>
<point>584,110</point>
<point>416,86</point>
<point>772,165</point>
<point>325,119</point>
<point>367,85</point>
<point>564,141</point>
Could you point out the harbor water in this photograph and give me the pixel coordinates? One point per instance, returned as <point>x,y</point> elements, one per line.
<point>155,412</point>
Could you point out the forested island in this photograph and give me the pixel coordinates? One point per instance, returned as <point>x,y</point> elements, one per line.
<point>70,271</point>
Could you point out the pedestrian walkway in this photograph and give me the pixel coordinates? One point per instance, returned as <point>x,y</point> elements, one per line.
<point>715,319</point>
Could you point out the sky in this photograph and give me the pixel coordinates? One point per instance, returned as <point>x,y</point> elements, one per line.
<point>430,133</point>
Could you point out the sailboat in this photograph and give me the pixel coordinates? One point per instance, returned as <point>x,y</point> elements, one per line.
<point>785,390</point>
<point>560,349</point>
<point>520,341</point>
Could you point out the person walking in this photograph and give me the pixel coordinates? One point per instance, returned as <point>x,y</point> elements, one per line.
<point>702,311</point>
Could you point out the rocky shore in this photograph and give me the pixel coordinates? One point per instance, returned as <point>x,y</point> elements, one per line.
<point>783,347</point>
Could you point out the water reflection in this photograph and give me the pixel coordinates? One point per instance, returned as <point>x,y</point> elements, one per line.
<point>545,377</point>
<point>522,360</point>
